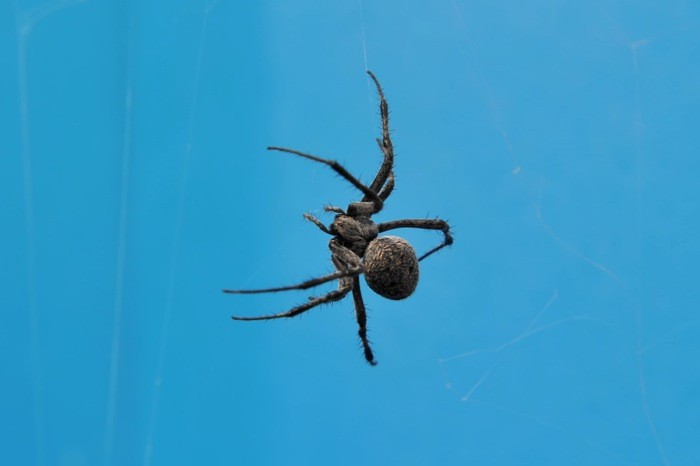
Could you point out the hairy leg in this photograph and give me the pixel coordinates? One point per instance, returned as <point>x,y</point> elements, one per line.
<point>347,272</point>
<point>388,188</point>
<point>361,315</point>
<point>343,288</point>
<point>385,144</point>
<point>370,195</point>
<point>424,224</point>
<point>348,267</point>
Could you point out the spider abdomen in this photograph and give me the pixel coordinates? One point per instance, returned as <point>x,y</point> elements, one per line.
<point>391,267</point>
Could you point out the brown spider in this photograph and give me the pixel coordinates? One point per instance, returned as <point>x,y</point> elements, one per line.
<point>389,263</point>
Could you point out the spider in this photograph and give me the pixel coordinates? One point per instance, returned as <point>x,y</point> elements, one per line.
<point>389,263</point>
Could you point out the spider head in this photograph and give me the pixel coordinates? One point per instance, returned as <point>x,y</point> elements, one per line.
<point>391,267</point>
<point>355,233</point>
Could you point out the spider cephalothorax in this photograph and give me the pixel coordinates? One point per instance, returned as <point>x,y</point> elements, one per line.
<point>389,263</point>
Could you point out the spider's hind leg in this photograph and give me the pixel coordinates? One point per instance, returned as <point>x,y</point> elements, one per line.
<point>348,266</point>
<point>347,271</point>
<point>361,316</point>
<point>344,287</point>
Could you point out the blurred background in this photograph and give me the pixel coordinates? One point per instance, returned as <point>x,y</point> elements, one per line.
<point>559,139</point>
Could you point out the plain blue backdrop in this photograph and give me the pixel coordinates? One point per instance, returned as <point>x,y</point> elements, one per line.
<point>560,139</point>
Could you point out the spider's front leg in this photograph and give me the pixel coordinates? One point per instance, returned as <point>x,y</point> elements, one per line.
<point>386,170</point>
<point>373,198</point>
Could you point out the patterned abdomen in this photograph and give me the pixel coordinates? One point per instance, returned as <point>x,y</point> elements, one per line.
<point>391,267</point>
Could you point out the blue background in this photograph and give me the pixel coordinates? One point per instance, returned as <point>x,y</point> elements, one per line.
<point>560,139</point>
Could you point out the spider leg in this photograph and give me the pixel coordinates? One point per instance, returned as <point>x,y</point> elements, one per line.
<point>385,144</point>
<point>388,187</point>
<point>349,267</point>
<point>370,194</point>
<point>361,315</point>
<point>424,224</point>
<point>343,288</point>
<point>345,272</point>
